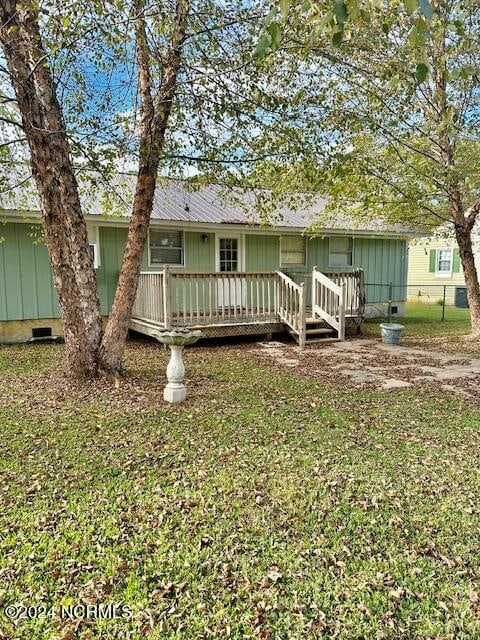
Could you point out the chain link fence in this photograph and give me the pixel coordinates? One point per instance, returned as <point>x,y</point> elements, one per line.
<point>431,302</point>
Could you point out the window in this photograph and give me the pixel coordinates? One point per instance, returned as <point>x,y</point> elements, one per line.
<point>94,253</point>
<point>341,252</point>
<point>292,250</point>
<point>166,247</point>
<point>444,262</point>
<point>228,254</point>
<point>94,244</point>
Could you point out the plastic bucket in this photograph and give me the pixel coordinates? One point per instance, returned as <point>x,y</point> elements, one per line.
<point>391,332</point>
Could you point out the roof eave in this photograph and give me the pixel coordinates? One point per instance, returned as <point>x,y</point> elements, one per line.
<point>34,216</point>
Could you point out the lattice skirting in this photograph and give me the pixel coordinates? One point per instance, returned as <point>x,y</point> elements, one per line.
<point>242,330</point>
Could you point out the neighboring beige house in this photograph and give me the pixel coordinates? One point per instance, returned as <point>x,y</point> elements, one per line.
<point>434,264</point>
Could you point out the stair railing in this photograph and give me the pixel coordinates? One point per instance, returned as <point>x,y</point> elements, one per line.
<point>328,301</point>
<point>290,305</point>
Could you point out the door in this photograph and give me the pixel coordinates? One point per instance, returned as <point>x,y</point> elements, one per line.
<point>231,289</point>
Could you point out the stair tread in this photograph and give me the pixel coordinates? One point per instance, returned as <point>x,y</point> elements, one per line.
<point>324,340</point>
<point>311,332</point>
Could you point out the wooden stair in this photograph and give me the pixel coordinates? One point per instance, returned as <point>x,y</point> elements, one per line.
<point>316,331</point>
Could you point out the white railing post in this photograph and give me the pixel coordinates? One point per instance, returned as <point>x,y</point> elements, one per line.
<point>302,316</point>
<point>314,289</point>
<point>341,312</point>
<point>167,297</point>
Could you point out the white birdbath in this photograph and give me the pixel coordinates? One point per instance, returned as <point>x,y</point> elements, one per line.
<point>176,339</point>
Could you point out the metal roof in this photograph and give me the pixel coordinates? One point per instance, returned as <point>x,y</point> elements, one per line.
<point>212,204</point>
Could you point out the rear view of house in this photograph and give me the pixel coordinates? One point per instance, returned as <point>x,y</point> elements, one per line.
<point>211,263</point>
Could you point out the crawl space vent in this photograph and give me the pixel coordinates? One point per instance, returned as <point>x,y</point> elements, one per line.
<point>42,332</point>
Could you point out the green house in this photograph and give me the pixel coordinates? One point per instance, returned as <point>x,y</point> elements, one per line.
<point>210,262</point>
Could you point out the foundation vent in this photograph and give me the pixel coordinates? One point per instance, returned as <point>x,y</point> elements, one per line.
<point>41,332</point>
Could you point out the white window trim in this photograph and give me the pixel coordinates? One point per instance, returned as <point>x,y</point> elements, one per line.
<point>443,274</point>
<point>289,265</point>
<point>96,257</point>
<point>241,249</point>
<point>340,266</point>
<point>169,264</point>
<point>94,241</point>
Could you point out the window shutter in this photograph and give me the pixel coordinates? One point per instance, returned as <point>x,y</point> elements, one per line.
<point>433,260</point>
<point>456,261</point>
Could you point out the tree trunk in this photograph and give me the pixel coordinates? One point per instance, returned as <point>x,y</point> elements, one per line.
<point>64,225</point>
<point>154,116</point>
<point>113,342</point>
<point>464,241</point>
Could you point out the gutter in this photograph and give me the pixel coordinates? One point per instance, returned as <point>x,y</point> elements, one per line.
<point>34,217</point>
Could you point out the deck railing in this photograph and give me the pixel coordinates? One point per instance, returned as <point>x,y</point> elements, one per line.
<point>180,298</point>
<point>150,301</point>
<point>354,293</point>
<point>328,301</point>
<point>291,307</point>
<point>354,282</point>
<point>222,298</point>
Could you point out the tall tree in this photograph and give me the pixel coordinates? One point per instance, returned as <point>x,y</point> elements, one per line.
<point>154,116</point>
<point>201,99</point>
<point>63,221</point>
<point>64,225</point>
<point>397,84</point>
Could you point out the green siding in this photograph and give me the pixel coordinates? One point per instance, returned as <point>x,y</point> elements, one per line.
<point>26,289</point>
<point>383,261</point>
<point>112,241</point>
<point>317,254</point>
<point>262,253</point>
<point>199,255</point>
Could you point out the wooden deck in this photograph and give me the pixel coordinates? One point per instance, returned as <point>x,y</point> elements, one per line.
<point>223,304</point>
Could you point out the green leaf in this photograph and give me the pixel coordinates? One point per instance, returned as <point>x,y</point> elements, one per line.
<point>410,5</point>
<point>421,72</point>
<point>284,8</point>
<point>263,45</point>
<point>271,15</point>
<point>276,35</point>
<point>340,11</point>
<point>337,38</point>
<point>426,8</point>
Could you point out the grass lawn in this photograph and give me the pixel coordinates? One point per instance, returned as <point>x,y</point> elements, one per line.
<point>424,320</point>
<point>268,506</point>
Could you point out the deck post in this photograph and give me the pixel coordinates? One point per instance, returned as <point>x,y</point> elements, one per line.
<point>361,292</point>
<point>276,301</point>
<point>314,291</point>
<point>302,319</point>
<point>167,297</point>
<point>341,312</point>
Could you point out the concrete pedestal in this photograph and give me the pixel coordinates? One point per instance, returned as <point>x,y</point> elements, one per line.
<point>176,339</point>
<point>174,393</point>
<point>175,390</point>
